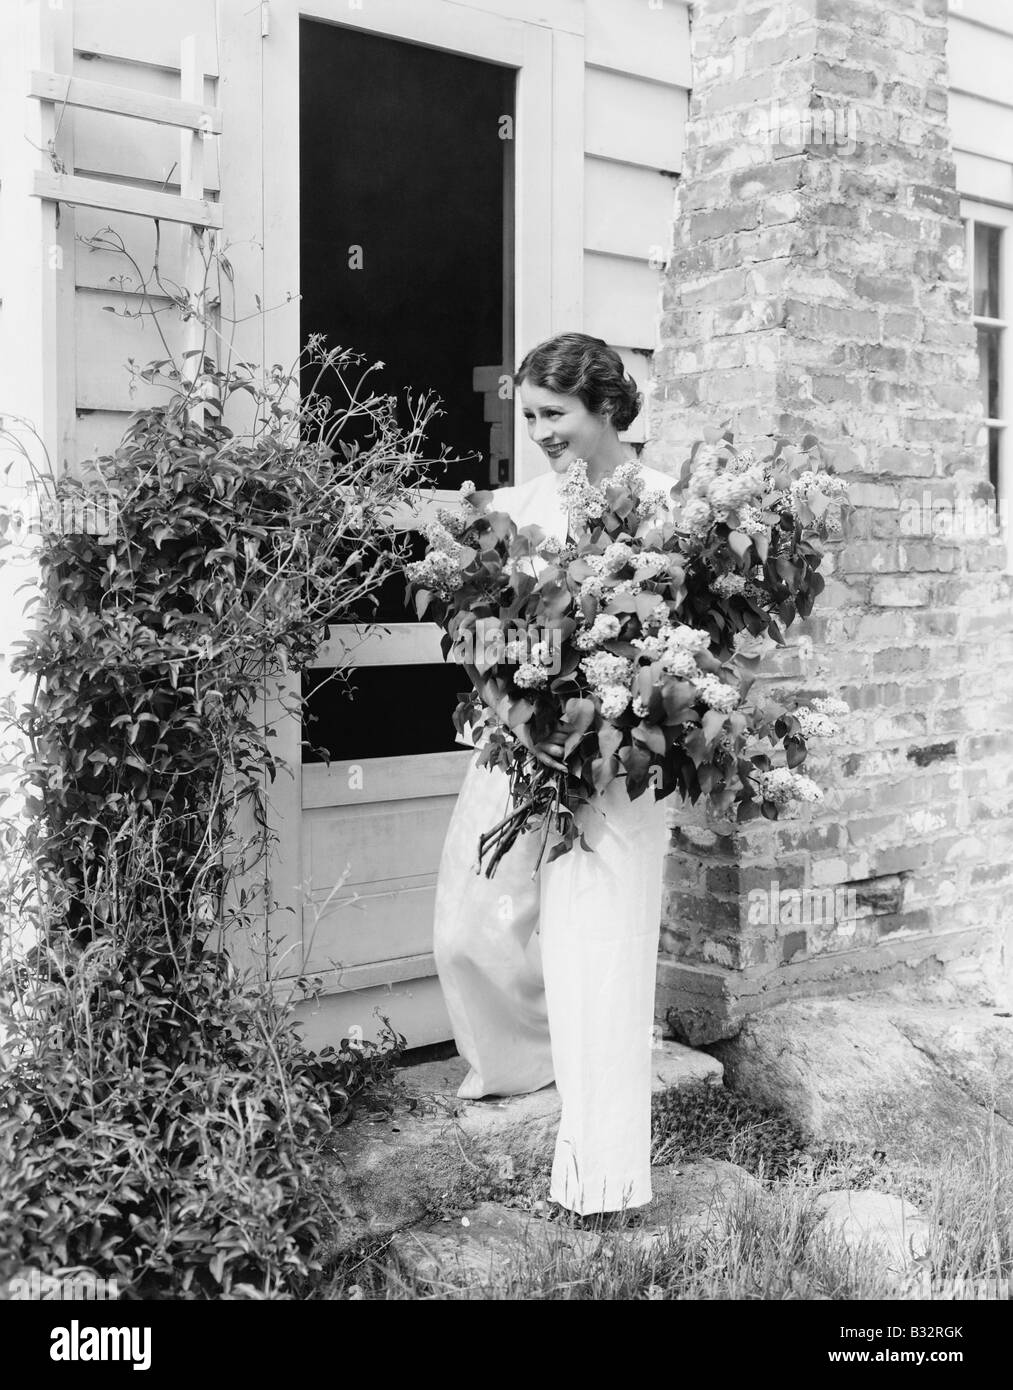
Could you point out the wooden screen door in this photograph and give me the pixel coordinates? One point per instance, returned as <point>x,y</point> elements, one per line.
<point>390,205</point>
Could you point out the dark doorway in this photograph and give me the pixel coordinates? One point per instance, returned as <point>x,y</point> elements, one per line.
<point>406,216</point>
<point>406,247</point>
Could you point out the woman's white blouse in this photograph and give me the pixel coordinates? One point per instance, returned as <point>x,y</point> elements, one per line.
<point>539,501</point>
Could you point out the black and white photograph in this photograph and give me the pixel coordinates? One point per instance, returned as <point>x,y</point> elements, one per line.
<point>506,667</point>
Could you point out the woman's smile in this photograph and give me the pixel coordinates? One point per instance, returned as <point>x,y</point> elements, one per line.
<point>565,430</point>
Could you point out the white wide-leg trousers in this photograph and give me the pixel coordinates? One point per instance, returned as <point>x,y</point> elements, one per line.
<point>554,978</point>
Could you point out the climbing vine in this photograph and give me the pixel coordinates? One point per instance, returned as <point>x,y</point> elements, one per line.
<point>158,1112</point>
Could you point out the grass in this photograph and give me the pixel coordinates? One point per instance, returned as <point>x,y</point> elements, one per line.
<point>770,1245</point>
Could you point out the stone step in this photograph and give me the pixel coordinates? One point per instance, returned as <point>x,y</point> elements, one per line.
<point>492,1243</point>
<point>392,1173</point>
<point>484,1244</point>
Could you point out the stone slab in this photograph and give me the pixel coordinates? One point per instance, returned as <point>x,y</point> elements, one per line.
<point>390,1173</point>
<point>484,1245</point>
<point>915,1078</point>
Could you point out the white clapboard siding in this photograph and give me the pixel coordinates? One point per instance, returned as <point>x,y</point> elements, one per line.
<point>107,340</point>
<point>980,66</point>
<point>635,121</point>
<point>981,127</point>
<point>993,14</point>
<point>564,15</point>
<point>634,38</point>
<point>96,432</point>
<point>146,31</point>
<point>135,48</point>
<point>621,299</point>
<point>627,210</point>
<point>980,60</point>
<point>637,80</point>
<point>100,269</point>
<point>988,180</point>
<point>131,149</point>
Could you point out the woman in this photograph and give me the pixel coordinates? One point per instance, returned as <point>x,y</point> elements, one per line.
<point>553,977</point>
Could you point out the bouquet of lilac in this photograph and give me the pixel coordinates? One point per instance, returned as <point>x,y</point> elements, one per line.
<point>629,647</point>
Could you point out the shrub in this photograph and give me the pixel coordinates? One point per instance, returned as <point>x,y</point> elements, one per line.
<point>159,1116</point>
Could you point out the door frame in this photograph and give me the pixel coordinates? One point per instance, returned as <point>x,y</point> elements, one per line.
<point>260,191</point>
<point>548,150</point>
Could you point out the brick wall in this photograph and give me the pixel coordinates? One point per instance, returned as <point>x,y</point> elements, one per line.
<point>818,282</point>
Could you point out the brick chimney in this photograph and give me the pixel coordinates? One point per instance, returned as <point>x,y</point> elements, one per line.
<point>818,282</point>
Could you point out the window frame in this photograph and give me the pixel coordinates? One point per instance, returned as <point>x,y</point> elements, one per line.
<point>974,212</point>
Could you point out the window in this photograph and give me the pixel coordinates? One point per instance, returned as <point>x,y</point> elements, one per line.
<point>989,232</point>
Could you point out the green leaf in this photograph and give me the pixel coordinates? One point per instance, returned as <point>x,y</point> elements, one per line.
<point>739,543</point>
<point>795,750</point>
<point>679,699</point>
<point>579,714</point>
<point>713,724</point>
<point>519,712</point>
<point>652,737</point>
<point>645,604</point>
<point>785,568</point>
<point>609,739</point>
<point>708,777</point>
<point>695,744</point>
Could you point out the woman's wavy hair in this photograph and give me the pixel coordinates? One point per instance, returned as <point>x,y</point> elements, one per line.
<point>575,364</point>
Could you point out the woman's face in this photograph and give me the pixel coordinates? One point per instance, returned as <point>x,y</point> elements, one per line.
<point>563,427</point>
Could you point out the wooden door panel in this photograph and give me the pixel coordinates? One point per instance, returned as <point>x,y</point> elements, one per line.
<point>376,931</point>
<point>384,908</point>
<point>380,844</point>
<point>344,784</point>
<point>415,1007</point>
<point>395,644</point>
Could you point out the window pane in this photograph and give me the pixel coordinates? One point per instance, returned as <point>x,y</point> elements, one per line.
<point>391,607</point>
<point>986,271</point>
<point>994,438</point>
<point>988,370</point>
<point>368,721</point>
